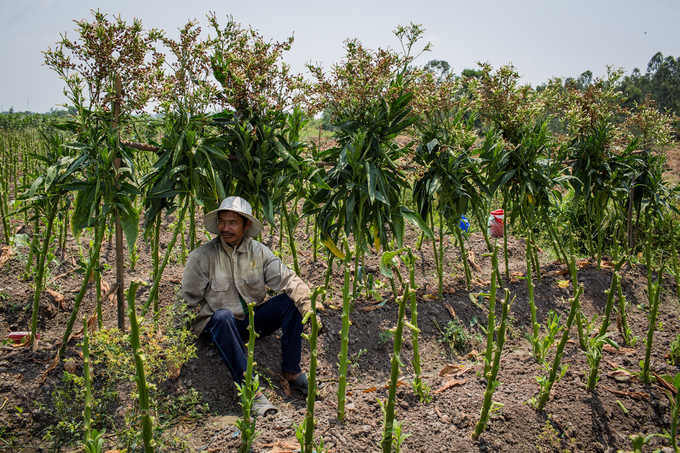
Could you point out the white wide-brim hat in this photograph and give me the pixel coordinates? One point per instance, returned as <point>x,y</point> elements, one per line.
<point>238,205</point>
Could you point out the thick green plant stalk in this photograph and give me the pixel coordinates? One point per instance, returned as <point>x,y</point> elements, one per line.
<point>388,407</point>
<point>463,254</point>
<point>675,413</point>
<point>654,309</point>
<point>491,326</point>
<point>491,383</point>
<point>420,387</point>
<point>648,258</point>
<point>626,331</point>
<point>305,432</point>
<point>87,412</point>
<point>344,335</point>
<point>534,257</point>
<point>140,377</point>
<point>156,253</point>
<point>595,348</point>
<point>153,294</point>
<point>534,320</point>
<point>583,341</point>
<point>546,385</point>
<point>557,244</point>
<point>3,213</point>
<point>248,390</point>
<point>440,261</point>
<point>94,258</point>
<point>291,238</point>
<point>41,271</point>
<point>506,222</point>
<point>34,246</point>
<point>674,255</point>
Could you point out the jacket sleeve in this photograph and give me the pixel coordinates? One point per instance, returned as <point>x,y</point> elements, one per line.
<point>279,278</point>
<point>195,279</point>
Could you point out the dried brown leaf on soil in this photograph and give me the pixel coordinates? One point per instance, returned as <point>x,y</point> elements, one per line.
<point>7,253</point>
<point>58,298</point>
<point>369,308</point>
<point>634,395</point>
<point>454,370</point>
<point>283,446</point>
<point>285,385</point>
<point>665,384</point>
<point>451,311</point>
<point>451,383</point>
<point>562,272</point>
<point>471,260</point>
<point>612,350</point>
<point>620,375</point>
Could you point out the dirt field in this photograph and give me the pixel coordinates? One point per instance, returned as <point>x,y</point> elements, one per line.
<point>574,419</point>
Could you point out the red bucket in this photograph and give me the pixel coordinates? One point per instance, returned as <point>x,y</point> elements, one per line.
<point>496,223</point>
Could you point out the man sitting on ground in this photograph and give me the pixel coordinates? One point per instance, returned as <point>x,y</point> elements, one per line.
<point>232,270</point>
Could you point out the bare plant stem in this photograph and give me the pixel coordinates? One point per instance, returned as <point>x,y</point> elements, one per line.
<point>653,310</point>
<point>140,377</point>
<point>491,326</point>
<point>87,411</point>
<point>344,335</point>
<point>534,321</point>
<point>388,424</point>
<point>545,389</point>
<point>491,382</point>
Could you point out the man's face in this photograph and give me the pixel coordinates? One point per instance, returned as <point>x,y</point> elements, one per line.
<point>232,227</point>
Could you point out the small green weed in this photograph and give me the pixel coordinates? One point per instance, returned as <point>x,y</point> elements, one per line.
<point>454,334</point>
<point>385,336</point>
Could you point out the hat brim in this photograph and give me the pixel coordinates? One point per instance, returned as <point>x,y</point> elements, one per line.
<point>210,222</point>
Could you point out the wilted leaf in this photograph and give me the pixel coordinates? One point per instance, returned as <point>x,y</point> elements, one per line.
<point>174,371</point>
<point>620,375</point>
<point>451,311</point>
<point>612,350</point>
<point>285,385</point>
<point>635,395</point>
<point>449,384</point>
<point>562,272</point>
<point>7,253</point>
<point>471,260</point>
<point>58,298</point>
<point>563,284</point>
<point>370,308</point>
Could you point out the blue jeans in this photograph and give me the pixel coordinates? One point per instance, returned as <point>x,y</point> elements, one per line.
<point>228,334</point>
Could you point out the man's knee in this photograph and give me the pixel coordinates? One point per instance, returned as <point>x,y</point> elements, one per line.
<point>223,317</point>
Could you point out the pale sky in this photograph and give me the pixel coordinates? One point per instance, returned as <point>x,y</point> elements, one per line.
<point>542,39</point>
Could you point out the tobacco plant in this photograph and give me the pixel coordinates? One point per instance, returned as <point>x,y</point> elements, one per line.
<point>489,406</point>
<point>392,436</point>
<point>654,301</point>
<point>491,323</point>
<point>547,383</point>
<point>305,431</point>
<point>140,377</point>
<point>420,387</point>
<point>248,390</point>
<point>344,335</point>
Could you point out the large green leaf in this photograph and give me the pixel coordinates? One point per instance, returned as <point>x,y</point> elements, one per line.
<point>129,219</point>
<point>416,219</point>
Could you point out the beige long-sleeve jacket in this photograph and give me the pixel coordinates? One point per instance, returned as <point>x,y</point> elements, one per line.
<point>215,275</point>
